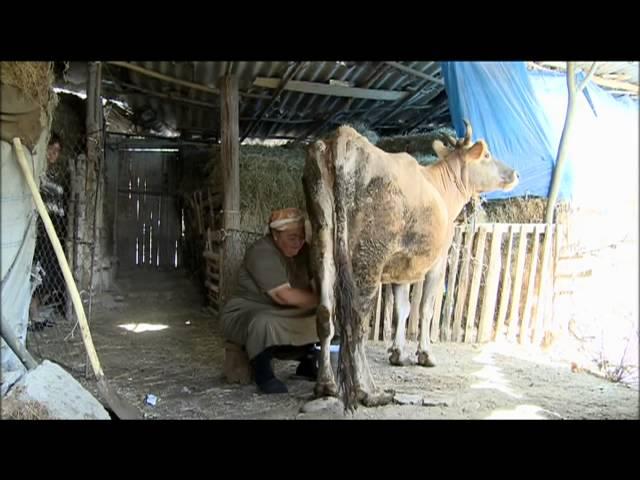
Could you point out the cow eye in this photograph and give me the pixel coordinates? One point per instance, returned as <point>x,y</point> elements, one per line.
<point>486,155</point>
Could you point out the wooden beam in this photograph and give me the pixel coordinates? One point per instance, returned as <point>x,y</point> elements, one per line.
<point>415,73</point>
<point>331,90</point>
<point>401,103</point>
<point>379,70</point>
<point>167,96</point>
<point>177,81</point>
<point>291,72</point>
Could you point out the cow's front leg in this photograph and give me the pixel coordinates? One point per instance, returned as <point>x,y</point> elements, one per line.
<point>402,306</point>
<point>431,288</point>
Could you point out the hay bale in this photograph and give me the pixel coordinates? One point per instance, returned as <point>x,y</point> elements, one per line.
<point>34,79</point>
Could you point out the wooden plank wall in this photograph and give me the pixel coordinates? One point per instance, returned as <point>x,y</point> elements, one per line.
<point>149,224</point>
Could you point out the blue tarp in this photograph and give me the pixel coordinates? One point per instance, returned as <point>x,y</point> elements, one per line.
<point>520,113</point>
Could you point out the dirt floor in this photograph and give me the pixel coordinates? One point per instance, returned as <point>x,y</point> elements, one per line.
<point>153,336</point>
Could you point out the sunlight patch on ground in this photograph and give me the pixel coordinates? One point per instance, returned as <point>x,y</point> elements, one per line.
<point>521,412</point>
<point>143,327</point>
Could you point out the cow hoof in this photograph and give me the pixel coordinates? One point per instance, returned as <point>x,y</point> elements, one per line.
<point>425,359</point>
<point>376,399</point>
<point>325,389</point>
<point>397,359</point>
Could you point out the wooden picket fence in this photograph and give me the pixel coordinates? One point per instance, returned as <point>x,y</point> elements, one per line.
<point>499,284</point>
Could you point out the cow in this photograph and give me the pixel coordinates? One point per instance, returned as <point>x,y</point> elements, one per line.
<point>381,217</point>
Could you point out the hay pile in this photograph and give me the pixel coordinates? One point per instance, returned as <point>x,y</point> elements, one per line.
<point>15,410</point>
<point>34,79</point>
<point>419,146</point>
<point>515,210</point>
<point>270,178</point>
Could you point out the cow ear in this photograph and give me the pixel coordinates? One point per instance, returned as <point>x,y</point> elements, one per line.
<point>440,149</point>
<point>477,151</point>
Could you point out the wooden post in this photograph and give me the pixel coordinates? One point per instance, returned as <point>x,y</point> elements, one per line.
<point>437,310</point>
<point>463,285</point>
<point>230,157</point>
<point>517,282</point>
<point>491,286</point>
<point>533,264</point>
<point>475,286</point>
<point>451,284</point>
<point>388,313</point>
<point>506,288</point>
<point>414,316</point>
<point>376,320</point>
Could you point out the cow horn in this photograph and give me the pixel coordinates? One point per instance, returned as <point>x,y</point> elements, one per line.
<point>451,140</point>
<point>467,135</point>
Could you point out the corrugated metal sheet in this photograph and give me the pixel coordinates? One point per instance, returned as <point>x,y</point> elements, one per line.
<point>18,239</point>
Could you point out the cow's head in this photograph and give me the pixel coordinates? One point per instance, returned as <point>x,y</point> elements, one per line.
<point>480,171</point>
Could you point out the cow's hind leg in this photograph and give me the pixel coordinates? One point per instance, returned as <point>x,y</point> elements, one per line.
<point>325,384</point>
<point>402,307</point>
<point>325,278</point>
<point>367,393</point>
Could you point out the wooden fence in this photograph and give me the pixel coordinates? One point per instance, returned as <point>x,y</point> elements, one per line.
<point>499,284</point>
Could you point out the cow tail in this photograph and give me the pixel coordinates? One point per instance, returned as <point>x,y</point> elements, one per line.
<point>346,316</point>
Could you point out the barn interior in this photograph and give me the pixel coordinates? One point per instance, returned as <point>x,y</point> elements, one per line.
<point>170,170</point>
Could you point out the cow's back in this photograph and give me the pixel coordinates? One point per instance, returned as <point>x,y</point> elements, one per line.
<point>397,219</point>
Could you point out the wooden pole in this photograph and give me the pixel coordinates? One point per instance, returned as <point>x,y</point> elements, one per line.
<point>414,316</point>
<point>388,312</point>
<point>377,313</point>
<point>230,153</point>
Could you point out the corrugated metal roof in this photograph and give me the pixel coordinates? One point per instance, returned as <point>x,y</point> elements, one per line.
<point>293,114</point>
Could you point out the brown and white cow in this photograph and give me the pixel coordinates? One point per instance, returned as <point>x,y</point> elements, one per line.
<point>381,217</point>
